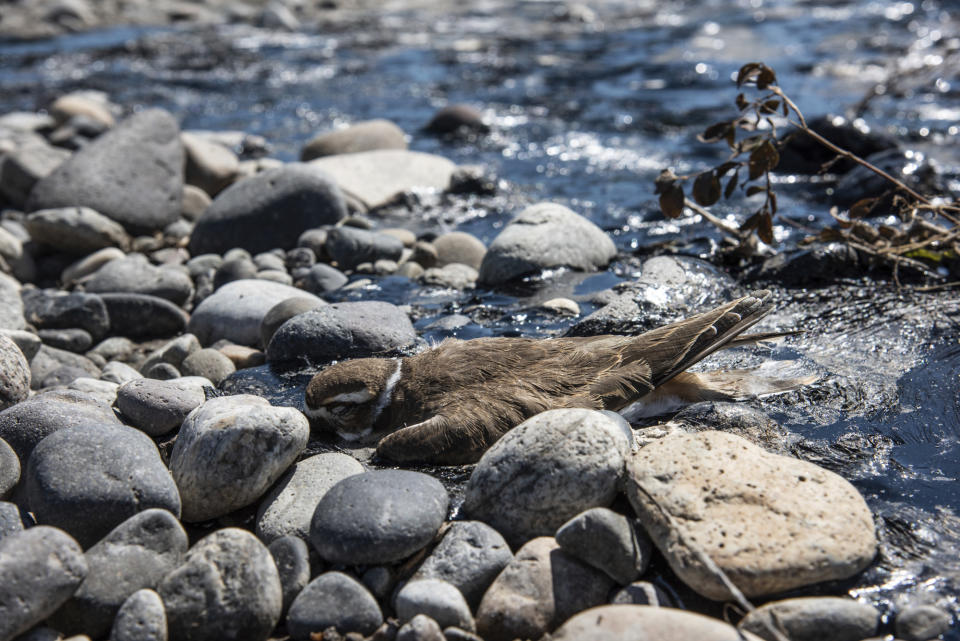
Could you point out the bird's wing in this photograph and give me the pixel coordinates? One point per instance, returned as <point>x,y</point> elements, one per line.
<point>436,440</point>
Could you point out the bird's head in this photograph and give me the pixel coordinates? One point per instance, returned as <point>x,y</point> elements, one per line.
<point>347,398</point>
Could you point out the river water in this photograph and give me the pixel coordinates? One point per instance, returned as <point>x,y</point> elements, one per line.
<point>587,106</point>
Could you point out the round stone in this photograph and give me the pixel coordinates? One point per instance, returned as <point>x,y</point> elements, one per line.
<point>642,593</point>
<point>158,407</point>
<point>437,599</point>
<point>292,557</point>
<point>608,541</point>
<point>230,450</point>
<point>208,363</point>
<point>284,311</point>
<point>806,619</point>
<point>922,622</point>
<point>76,230</point>
<point>14,375</point>
<point>73,340</point>
<point>349,246</point>
<point>333,600</point>
<point>322,278</point>
<point>378,517</point>
<point>545,471</point>
<point>226,589</point>
<point>9,469</point>
<point>134,274</point>
<point>645,623</point>
<point>143,316</point>
<point>47,309</point>
<point>288,508</point>
<point>361,136</point>
<point>456,118</point>
<point>41,567</point>
<point>421,628</point>
<point>459,247</point>
<point>452,276</point>
<point>91,478</point>
<point>142,617</point>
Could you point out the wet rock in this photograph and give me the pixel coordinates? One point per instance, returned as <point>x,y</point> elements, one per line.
<point>807,618</point>
<point>227,589</point>
<point>9,469</point>
<point>820,264</point>
<point>349,246</point>
<point>71,340</point>
<point>469,557</point>
<point>438,600</point>
<point>538,590</point>
<point>542,236</point>
<point>607,541</point>
<point>362,136</point>
<point>452,276</point>
<point>642,593</point>
<point>76,230</point>
<point>804,155</point>
<point>208,363</point>
<point>459,247</point>
<point>736,418</point>
<point>14,375</point>
<point>268,210</point>
<point>230,450</point>
<point>27,423</point>
<point>333,600</point>
<point>90,478</point>
<point>142,617</point>
<point>922,622</point>
<point>11,304</point>
<point>456,119</point>
<point>10,519</point>
<point>136,555</point>
<point>292,557</point>
<point>236,311</point>
<point>52,366</point>
<point>21,169</point>
<point>210,166</point>
<point>143,316</point>
<point>342,330</point>
<point>322,278</point>
<point>909,166</point>
<point>41,567</point>
<point>376,178</point>
<point>158,407</point>
<point>143,153</point>
<point>669,288</point>
<point>545,471</point>
<point>378,517</point>
<point>288,509</point>
<point>49,309</point>
<point>644,623</point>
<point>770,522</point>
<point>135,275</point>
<point>79,270</point>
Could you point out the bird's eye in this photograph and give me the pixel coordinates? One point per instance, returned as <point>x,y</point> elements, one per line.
<point>340,409</point>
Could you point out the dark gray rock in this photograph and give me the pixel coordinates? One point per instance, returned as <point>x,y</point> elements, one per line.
<point>52,366</point>
<point>30,421</point>
<point>292,557</point>
<point>21,169</point>
<point>361,136</point>
<point>50,309</point>
<point>76,230</point>
<point>922,622</point>
<point>9,469</point>
<point>11,521</point>
<point>456,119</point>
<point>268,210</point>
<point>143,316</point>
<point>41,568</point>
<point>237,310</point>
<point>162,372</point>
<point>545,471</point>
<point>806,619</point>
<point>227,589</point>
<point>74,340</point>
<point>284,311</point>
<point>89,479</point>
<point>642,593</point>
<point>136,555</point>
<point>173,352</point>
<point>910,166</point>
<point>542,236</point>
<point>132,174</point>
<point>541,588</point>
<point>230,450</point>
<point>438,600</point>
<point>234,269</point>
<point>469,557</point>
<point>142,617</point>
<point>323,278</point>
<point>62,376</point>
<point>378,517</point>
<point>381,580</point>
<point>158,407</point>
<point>11,305</point>
<point>819,264</point>
<point>803,155</point>
<point>333,600</point>
<point>420,628</point>
<point>607,541</point>
<point>343,330</point>
<point>135,275</point>
<point>299,258</point>
<point>14,376</point>
<point>208,363</point>
<point>288,508</point>
<point>349,246</point>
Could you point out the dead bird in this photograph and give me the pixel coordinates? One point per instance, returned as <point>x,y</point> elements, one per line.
<point>449,404</point>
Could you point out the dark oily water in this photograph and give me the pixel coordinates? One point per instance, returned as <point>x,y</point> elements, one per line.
<point>587,106</point>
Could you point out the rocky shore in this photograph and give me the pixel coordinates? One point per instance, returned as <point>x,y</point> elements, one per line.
<point>145,269</point>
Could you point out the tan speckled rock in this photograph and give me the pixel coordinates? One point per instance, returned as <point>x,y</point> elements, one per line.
<point>770,522</point>
<point>645,623</point>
